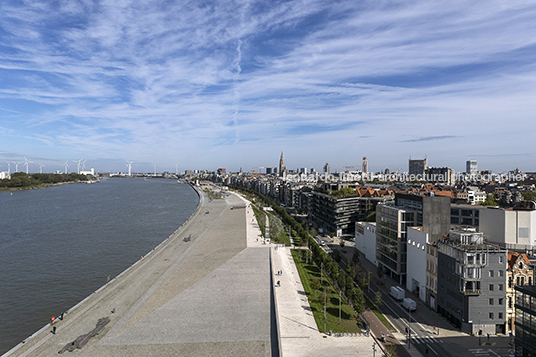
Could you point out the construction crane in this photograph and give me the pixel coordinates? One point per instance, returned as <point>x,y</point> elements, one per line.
<point>348,167</point>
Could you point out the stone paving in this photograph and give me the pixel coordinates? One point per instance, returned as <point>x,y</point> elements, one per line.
<point>210,296</point>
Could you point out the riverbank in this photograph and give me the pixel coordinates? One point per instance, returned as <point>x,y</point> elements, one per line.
<point>60,245</point>
<point>45,185</point>
<point>199,293</point>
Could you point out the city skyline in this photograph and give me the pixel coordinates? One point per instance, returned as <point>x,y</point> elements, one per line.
<point>210,85</point>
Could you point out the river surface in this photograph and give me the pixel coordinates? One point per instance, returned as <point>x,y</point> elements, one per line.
<point>59,244</point>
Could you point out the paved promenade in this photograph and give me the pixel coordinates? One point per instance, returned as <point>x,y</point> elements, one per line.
<point>210,296</point>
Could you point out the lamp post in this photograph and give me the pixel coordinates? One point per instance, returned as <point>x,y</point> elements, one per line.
<point>325,298</point>
<point>322,274</point>
<point>340,306</point>
<point>409,328</point>
<point>373,349</point>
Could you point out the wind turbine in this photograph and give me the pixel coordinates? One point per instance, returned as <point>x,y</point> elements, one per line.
<point>84,165</point>
<point>154,169</point>
<point>78,162</point>
<point>41,168</point>
<point>17,165</point>
<point>176,168</point>
<point>129,163</point>
<point>26,163</point>
<point>66,166</point>
<point>8,167</point>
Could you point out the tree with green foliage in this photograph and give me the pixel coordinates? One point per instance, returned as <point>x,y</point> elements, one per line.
<point>378,298</point>
<point>491,200</point>
<point>315,284</point>
<point>529,195</point>
<point>379,271</point>
<point>342,243</point>
<point>358,300</point>
<point>336,256</point>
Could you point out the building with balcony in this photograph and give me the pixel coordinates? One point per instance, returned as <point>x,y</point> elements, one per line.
<point>471,280</point>
<point>339,215</point>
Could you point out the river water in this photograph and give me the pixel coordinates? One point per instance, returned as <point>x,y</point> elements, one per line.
<point>59,244</point>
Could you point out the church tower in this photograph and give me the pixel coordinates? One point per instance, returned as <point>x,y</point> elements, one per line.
<point>281,165</point>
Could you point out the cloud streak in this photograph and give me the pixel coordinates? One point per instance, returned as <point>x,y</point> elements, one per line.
<point>201,82</point>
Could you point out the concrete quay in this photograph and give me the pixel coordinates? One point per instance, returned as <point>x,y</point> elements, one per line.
<point>214,295</point>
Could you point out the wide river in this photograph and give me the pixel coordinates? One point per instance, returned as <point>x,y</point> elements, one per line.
<point>59,244</point>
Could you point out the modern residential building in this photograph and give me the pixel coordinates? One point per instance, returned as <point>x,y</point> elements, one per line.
<point>440,175</point>
<point>338,215</point>
<point>471,167</point>
<point>520,272</point>
<point>525,323</point>
<point>365,240</point>
<point>416,261</point>
<point>417,167</point>
<point>471,282</point>
<point>466,215</point>
<point>431,212</point>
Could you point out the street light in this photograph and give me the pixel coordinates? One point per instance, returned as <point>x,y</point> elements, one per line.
<point>373,349</point>
<point>409,328</point>
<point>340,305</point>
<point>325,297</point>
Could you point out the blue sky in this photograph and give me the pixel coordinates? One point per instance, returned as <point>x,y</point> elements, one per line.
<point>233,83</point>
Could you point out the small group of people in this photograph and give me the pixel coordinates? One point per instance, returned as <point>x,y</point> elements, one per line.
<point>280,272</point>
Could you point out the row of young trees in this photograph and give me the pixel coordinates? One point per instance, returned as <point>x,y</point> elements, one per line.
<point>23,180</point>
<point>343,279</point>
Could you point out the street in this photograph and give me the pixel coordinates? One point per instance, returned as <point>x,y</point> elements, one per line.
<point>445,341</point>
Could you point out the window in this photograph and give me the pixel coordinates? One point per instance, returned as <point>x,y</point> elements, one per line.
<point>501,273</point>
<point>491,301</point>
<point>490,287</point>
<point>501,301</point>
<point>500,315</point>
<point>509,281</point>
<point>500,259</point>
<point>491,273</point>
<point>509,302</point>
<point>530,280</point>
<point>491,315</point>
<point>500,287</point>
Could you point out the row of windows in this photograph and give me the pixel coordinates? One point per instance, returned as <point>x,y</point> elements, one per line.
<point>500,315</point>
<point>500,287</point>
<point>500,273</point>
<point>500,301</point>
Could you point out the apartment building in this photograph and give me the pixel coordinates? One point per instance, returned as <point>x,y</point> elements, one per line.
<point>430,212</point>
<point>472,282</point>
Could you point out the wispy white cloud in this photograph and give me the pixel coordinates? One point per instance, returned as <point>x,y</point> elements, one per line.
<point>245,79</point>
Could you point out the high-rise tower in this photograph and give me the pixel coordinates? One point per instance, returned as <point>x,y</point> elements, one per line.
<point>281,164</point>
<point>365,165</point>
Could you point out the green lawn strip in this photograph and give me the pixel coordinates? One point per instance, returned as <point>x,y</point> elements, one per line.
<point>258,218</point>
<point>316,301</point>
<point>380,316</point>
